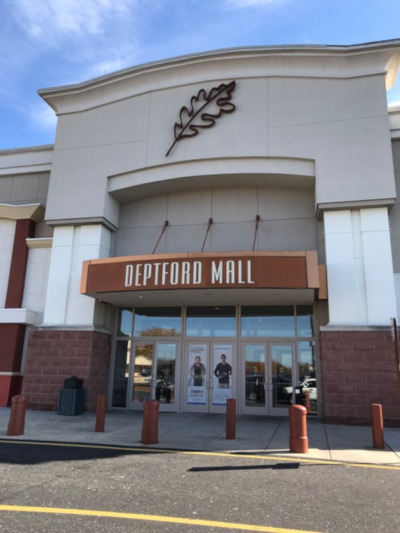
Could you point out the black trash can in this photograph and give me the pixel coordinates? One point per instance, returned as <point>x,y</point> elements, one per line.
<point>72,397</point>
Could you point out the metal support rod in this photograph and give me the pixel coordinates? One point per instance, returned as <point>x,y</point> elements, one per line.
<point>161,234</point>
<point>395,339</point>
<point>210,221</point>
<point>255,231</point>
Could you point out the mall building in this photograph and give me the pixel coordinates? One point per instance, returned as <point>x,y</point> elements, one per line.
<point>219,225</point>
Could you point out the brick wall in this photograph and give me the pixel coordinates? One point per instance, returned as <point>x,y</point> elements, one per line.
<point>358,368</point>
<point>53,356</point>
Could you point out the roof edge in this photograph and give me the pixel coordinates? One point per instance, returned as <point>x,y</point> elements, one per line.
<point>299,49</point>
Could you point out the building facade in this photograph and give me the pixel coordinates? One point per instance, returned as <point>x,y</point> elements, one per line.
<point>218,225</point>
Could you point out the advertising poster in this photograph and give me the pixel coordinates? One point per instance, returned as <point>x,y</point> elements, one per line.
<point>222,370</point>
<point>197,371</point>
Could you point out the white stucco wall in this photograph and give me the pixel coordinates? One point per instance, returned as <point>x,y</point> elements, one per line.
<point>325,105</point>
<point>359,267</point>
<point>36,277</point>
<point>7,232</point>
<point>287,221</point>
<point>65,306</point>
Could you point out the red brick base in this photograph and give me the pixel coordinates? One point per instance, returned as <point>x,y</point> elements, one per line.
<point>358,368</point>
<point>54,355</point>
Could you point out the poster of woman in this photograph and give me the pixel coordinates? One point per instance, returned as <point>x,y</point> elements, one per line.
<point>222,390</point>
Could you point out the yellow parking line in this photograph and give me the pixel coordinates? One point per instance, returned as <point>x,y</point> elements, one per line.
<point>150,518</point>
<point>294,458</point>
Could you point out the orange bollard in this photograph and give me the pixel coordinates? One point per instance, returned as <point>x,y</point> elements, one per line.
<point>231,418</point>
<point>377,426</point>
<point>16,424</point>
<point>307,403</point>
<point>150,422</point>
<point>100,412</point>
<point>298,439</point>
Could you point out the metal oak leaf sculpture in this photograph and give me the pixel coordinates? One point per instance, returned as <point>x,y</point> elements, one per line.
<point>205,108</point>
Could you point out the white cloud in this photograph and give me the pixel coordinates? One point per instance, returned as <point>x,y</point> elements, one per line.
<point>91,36</point>
<point>49,20</point>
<point>120,58</point>
<point>42,116</point>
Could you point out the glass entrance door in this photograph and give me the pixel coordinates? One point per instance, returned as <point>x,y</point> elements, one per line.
<point>281,381</point>
<point>153,374</point>
<point>267,374</point>
<point>209,376</point>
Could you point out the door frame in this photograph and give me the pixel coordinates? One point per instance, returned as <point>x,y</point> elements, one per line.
<point>281,410</point>
<point>267,408</point>
<point>163,407</point>
<point>209,349</point>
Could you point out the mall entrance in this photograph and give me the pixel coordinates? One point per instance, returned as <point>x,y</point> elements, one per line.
<point>193,359</point>
<point>267,377</point>
<point>152,374</point>
<point>209,369</point>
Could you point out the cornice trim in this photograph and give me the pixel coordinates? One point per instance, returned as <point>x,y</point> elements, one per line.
<point>22,212</point>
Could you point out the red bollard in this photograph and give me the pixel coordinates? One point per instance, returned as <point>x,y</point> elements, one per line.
<point>231,418</point>
<point>298,439</point>
<point>100,412</point>
<point>377,426</point>
<point>16,423</point>
<point>307,403</point>
<point>150,422</point>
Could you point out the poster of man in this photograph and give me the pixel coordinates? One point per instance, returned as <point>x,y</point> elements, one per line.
<point>222,374</point>
<point>197,371</point>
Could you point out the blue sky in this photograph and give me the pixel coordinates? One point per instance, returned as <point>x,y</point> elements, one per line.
<point>46,43</point>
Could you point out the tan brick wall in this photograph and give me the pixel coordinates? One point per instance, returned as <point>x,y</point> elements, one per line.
<point>358,368</point>
<point>53,356</point>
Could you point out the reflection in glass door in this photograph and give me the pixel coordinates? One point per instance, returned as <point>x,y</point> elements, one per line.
<point>281,356</point>
<point>267,378</point>
<point>255,375</point>
<point>153,369</point>
<point>165,372</point>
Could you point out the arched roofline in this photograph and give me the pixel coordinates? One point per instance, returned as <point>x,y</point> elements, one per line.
<point>246,171</point>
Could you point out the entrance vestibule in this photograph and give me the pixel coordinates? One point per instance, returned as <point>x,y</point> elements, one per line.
<point>193,359</point>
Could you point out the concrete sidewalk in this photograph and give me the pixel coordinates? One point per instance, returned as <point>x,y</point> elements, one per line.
<point>205,432</point>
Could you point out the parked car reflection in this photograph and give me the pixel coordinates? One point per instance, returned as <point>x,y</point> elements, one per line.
<point>255,388</point>
<point>309,385</point>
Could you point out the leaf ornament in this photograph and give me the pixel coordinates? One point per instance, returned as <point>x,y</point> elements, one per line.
<point>205,108</point>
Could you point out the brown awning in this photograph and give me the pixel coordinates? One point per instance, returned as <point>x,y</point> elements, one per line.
<point>191,271</point>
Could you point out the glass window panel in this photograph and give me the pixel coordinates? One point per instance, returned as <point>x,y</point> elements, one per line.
<point>142,374</point>
<point>121,371</point>
<point>157,322</point>
<point>304,321</point>
<point>255,375</point>
<point>210,322</point>
<point>267,321</point>
<point>281,368</point>
<point>124,322</point>
<point>165,373</point>
<point>306,360</point>
<point>307,372</point>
